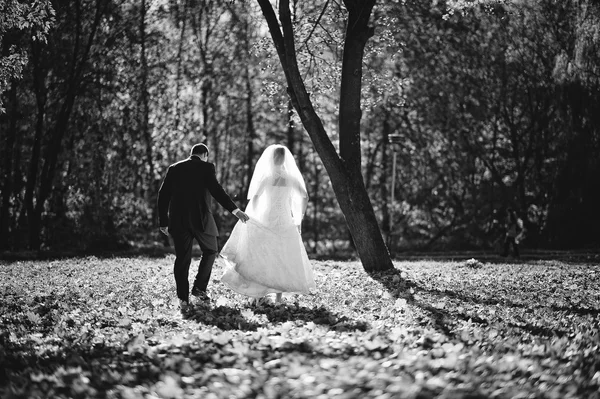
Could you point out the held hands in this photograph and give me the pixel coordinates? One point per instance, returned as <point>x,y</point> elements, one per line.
<point>241,215</point>
<point>164,230</point>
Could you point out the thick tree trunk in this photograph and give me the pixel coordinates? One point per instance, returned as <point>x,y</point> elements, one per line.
<point>344,171</point>
<point>357,34</point>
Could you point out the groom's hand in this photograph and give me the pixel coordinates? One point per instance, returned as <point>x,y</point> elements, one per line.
<point>164,230</point>
<point>240,215</point>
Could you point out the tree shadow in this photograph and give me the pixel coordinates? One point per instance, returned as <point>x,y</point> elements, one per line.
<point>232,318</point>
<point>443,320</point>
<point>591,257</point>
<point>278,313</point>
<point>223,317</point>
<point>105,365</point>
<point>505,302</point>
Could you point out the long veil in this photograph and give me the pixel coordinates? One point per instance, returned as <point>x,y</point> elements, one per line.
<point>268,174</point>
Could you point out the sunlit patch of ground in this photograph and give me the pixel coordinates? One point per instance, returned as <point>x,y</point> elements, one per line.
<point>89,327</point>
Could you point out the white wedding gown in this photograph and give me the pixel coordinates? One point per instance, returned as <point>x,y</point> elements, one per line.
<point>266,254</point>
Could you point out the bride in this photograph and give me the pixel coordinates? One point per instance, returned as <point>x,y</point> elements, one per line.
<point>266,254</point>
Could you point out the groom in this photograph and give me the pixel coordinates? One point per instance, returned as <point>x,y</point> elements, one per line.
<point>184,209</point>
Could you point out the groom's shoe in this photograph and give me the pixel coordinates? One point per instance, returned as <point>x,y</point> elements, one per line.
<point>184,306</point>
<point>200,295</point>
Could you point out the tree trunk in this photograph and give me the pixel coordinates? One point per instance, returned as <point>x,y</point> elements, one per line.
<point>177,100</point>
<point>153,184</point>
<point>32,174</point>
<point>345,170</point>
<point>315,199</point>
<point>7,155</point>
<point>251,131</point>
<point>291,139</point>
<point>17,237</point>
<point>7,143</point>
<point>385,178</point>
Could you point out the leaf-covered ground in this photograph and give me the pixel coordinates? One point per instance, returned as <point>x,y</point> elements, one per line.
<point>110,328</point>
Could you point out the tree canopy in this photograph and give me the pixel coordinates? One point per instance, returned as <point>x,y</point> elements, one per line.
<point>495,103</point>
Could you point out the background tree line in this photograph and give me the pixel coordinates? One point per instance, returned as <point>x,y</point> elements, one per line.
<point>497,105</point>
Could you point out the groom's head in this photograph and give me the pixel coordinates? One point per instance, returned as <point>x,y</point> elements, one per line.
<point>279,156</point>
<point>201,151</point>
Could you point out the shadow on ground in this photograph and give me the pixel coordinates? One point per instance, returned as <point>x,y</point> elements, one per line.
<point>446,319</point>
<point>232,318</point>
<point>591,256</point>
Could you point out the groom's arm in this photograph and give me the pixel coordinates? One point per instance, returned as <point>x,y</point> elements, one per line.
<point>164,197</point>
<point>218,193</point>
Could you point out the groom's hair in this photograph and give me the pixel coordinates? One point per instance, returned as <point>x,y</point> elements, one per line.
<point>199,149</point>
<point>278,155</point>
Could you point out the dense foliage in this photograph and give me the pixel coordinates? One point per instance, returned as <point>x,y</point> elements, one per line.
<point>110,328</point>
<point>17,20</point>
<point>496,106</point>
<point>494,112</point>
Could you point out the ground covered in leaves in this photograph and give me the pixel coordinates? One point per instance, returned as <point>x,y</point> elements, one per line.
<point>110,328</point>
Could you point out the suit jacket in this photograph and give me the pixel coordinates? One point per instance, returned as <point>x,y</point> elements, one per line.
<point>184,197</point>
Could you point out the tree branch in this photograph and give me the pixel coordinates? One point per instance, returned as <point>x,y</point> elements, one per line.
<point>275,29</point>
<point>317,23</point>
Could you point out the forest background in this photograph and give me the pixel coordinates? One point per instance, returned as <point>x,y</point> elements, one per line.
<point>496,105</point>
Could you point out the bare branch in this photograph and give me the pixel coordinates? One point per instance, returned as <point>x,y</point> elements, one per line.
<point>317,23</point>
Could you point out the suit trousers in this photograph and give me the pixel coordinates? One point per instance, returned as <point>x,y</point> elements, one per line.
<point>184,241</point>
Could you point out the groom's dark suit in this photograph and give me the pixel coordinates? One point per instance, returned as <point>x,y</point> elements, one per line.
<point>184,204</point>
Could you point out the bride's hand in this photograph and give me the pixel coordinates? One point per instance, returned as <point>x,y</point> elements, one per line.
<point>241,215</point>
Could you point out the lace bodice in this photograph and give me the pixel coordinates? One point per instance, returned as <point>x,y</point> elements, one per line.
<point>273,205</point>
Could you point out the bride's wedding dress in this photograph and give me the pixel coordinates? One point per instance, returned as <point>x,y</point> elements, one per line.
<point>266,254</point>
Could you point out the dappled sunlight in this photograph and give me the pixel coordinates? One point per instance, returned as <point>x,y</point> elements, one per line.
<point>111,327</point>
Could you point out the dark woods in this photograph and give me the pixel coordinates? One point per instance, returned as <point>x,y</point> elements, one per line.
<point>496,107</point>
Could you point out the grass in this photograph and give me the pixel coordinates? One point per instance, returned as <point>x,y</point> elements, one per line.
<point>110,328</point>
